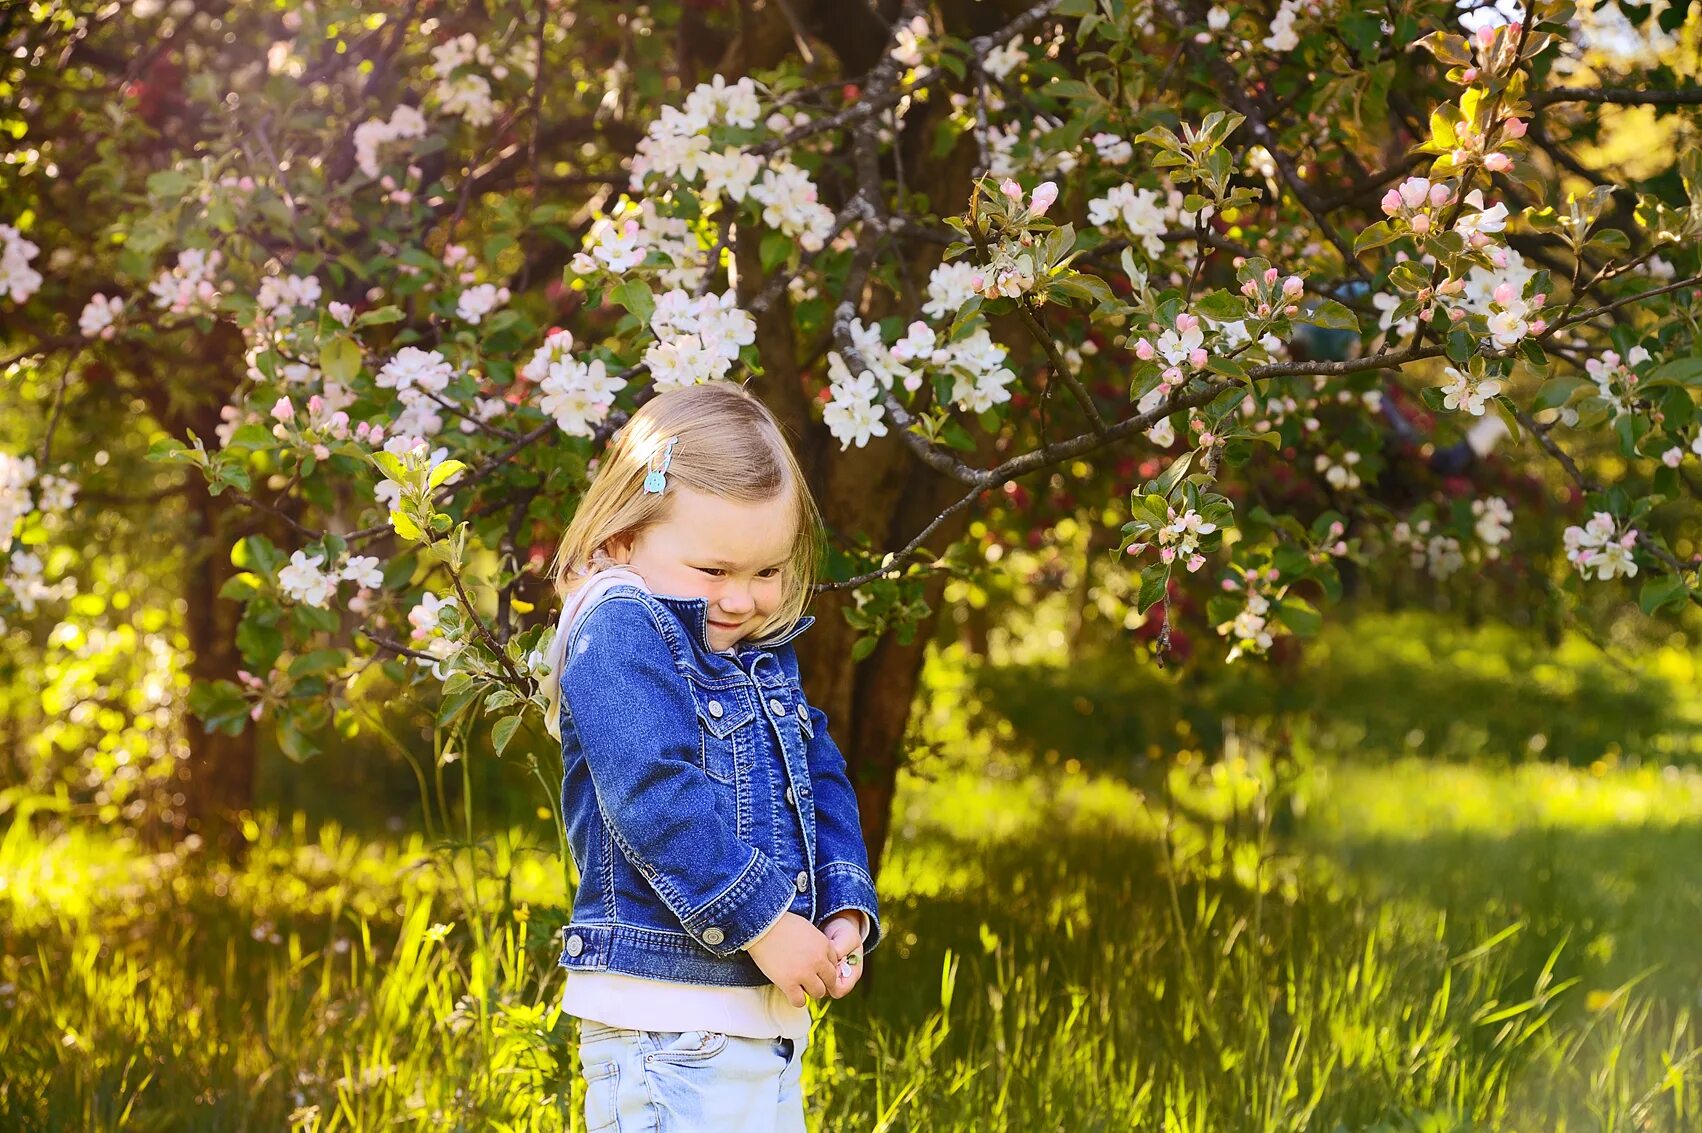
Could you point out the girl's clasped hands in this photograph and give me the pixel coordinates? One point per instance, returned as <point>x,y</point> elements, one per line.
<point>802,960</point>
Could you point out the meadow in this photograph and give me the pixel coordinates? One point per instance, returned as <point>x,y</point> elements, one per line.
<point>1330,926</point>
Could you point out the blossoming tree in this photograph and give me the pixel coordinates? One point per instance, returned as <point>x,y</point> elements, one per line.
<point>385,277</point>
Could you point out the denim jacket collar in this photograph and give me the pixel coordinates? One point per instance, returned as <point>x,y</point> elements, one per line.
<point>694,612</point>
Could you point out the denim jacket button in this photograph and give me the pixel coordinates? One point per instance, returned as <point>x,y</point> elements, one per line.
<point>803,881</point>
<point>575,945</point>
<point>790,797</point>
<point>715,709</point>
<point>712,936</point>
<point>777,708</point>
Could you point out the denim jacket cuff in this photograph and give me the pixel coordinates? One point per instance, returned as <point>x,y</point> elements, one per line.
<point>745,909</point>
<point>846,885</point>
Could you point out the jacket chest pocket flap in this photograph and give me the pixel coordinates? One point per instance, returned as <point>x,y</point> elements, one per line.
<point>721,713</point>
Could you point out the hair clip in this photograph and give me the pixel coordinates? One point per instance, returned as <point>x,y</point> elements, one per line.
<point>656,479</point>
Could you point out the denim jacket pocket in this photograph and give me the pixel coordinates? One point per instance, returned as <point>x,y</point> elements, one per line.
<point>722,712</point>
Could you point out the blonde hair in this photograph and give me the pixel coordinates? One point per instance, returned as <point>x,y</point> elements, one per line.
<point>730,445</point>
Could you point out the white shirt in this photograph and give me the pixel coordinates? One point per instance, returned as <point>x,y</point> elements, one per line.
<point>616,999</point>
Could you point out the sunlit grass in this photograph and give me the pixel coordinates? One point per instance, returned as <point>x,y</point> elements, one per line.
<point>1444,946</point>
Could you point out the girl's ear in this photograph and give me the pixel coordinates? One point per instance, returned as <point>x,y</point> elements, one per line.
<point>619,548</point>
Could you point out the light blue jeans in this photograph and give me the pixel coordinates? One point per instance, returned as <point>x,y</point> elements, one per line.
<point>690,1081</point>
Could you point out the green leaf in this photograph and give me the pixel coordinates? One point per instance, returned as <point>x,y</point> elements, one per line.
<point>1299,616</point>
<point>340,358</point>
<point>1678,371</point>
<point>1662,590</point>
<point>1331,315</point>
<point>1227,367</point>
<point>1154,580</point>
<point>863,646</point>
<point>1375,236</point>
<point>318,662</point>
<point>776,246</point>
<point>405,527</point>
<point>379,316</point>
<point>443,472</point>
<point>504,731</point>
<point>1557,391</point>
<point>634,294</point>
<point>1167,482</point>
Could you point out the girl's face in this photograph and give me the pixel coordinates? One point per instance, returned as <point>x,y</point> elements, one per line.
<point>733,554</point>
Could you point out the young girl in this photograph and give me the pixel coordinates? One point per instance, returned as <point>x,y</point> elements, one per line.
<point>723,876</point>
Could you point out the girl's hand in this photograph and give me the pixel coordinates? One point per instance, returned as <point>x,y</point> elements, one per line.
<point>845,931</point>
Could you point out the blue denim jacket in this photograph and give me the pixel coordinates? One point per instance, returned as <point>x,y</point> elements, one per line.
<point>703,796</point>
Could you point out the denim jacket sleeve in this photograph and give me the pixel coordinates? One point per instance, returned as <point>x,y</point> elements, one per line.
<point>637,726</point>
<point>842,860</point>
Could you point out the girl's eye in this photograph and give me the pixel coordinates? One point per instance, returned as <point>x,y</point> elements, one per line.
<point>714,571</point>
<point>771,572</point>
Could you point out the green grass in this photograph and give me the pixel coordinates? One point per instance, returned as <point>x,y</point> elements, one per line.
<point>1483,945</point>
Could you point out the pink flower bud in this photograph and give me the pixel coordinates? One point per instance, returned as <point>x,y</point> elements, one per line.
<point>1271,275</point>
<point>1504,294</point>
<point>1498,257</point>
<point>1291,310</point>
<point>1440,195</point>
<point>1293,286</point>
<point>1229,584</point>
<point>1421,223</point>
<point>1168,554</point>
<point>283,410</point>
<point>376,436</point>
<point>1497,162</point>
<point>1144,350</point>
<point>1172,377</point>
<point>1044,194</point>
<point>1514,127</point>
<point>1486,35</point>
<point>1186,323</point>
<point>1339,549</point>
<point>1452,286</point>
<point>1455,314</point>
<point>1479,239</point>
<point>1538,325</point>
<point>1392,202</point>
<point>321,452</point>
<point>315,404</point>
<point>1539,298</point>
<point>1011,190</point>
<point>1197,357</point>
<point>1250,288</point>
<point>1336,528</point>
<point>1196,562</point>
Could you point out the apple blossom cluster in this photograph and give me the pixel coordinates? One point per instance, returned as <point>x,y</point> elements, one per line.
<point>306,581</point>
<point>24,578</point>
<point>1145,214</point>
<point>1250,632</point>
<point>187,288</point>
<point>697,339</point>
<point>478,301</point>
<point>1603,546</point>
<point>1339,473</point>
<point>99,318</point>
<point>281,296</point>
<point>1433,551</point>
<point>404,124</point>
<point>17,473</point>
<point>907,43</point>
<point>17,278</point>
<point>680,146</point>
<point>1179,538</point>
<point>426,618</point>
<point>1464,391</point>
<point>1614,377</point>
<point>974,362</point>
<point>1492,521</point>
<point>460,90</point>
<point>1283,37</point>
<point>577,394</point>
